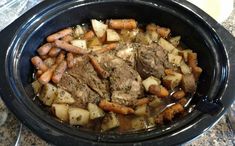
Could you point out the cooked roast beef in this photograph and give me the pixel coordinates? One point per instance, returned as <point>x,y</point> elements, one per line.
<point>85,73</point>
<point>151,60</point>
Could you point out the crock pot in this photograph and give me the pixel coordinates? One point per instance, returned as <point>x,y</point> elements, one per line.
<point>214,45</point>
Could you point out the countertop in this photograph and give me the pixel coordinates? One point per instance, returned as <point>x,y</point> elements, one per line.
<point>219,135</point>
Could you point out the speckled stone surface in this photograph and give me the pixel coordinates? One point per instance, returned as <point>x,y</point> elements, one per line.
<point>219,135</point>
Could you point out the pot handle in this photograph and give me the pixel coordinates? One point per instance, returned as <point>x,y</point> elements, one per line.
<point>225,101</point>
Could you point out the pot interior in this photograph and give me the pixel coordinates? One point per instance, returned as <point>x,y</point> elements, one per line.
<point>195,33</point>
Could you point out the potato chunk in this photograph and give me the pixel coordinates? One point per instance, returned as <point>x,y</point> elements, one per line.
<point>99,27</point>
<point>95,111</point>
<point>63,97</point>
<point>48,94</point>
<point>150,81</point>
<point>78,31</point>
<point>172,81</point>
<point>110,121</point>
<point>79,43</point>
<point>175,40</point>
<point>166,45</point>
<point>141,110</point>
<point>138,123</point>
<point>36,86</point>
<point>61,111</point>
<point>175,59</point>
<point>78,116</point>
<point>112,35</point>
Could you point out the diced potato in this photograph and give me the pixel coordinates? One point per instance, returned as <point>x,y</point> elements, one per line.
<point>185,69</point>
<point>78,31</point>
<point>110,121</point>
<point>143,38</point>
<point>175,40</point>
<point>63,97</point>
<point>150,81</point>
<point>151,122</point>
<point>79,43</point>
<point>185,54</point>
<point>166,45</point>
<point>138,123</point>
<point>95,111</point>
<point>49,61</point>
<point>156,102</point>
<point>153,35</point>
<point>78,116</point>
<point>141,110</point>
<point>48,94</point>
<point>99,27</point>
<point>175,59</point>
<point>61,111</point>
<point>172,81</point>
<point>175,51</point>
<point>36,86</point>
<point>128,35</point>
<point>112,35</point>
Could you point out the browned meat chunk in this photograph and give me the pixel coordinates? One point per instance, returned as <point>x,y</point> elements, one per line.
<point>127,53</point>
<point>122,98</point>
<point>188,83</point>
<point>80,91</point>
<point>85,73</point>
<point>151,60</point>
<point>124,78</point>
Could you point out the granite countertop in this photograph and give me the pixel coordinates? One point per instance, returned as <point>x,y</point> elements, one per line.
<point>219,135</point>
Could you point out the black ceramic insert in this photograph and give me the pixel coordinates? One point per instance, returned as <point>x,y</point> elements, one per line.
<point>214,45</point>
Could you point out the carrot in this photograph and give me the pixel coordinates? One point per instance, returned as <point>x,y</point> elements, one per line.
<point>44,49</point>
<point>54,52</point>
<point>44,57</point>
<point>89,35</point>
<point>59,34</point>
<point>70,48</point>
<point>70,60</point>
<point>58,73</point>
<point>192,62</point>
<point>67,38</point>
<point>39,64</point>
<point>39,73</point>
<point>103,73</point>
<point>122,24</point>
<point>107,47</point>
<point>183,101</point>
<point>142,101</point>
<point>163,92</point>
<point>159,119</point>
<point>196,72</point>
<point>60,57</point>
<point>163,32</point>
<point>114,107</point>
<point>178,95</point>
<point>170,112</point>
<point>160,91</point>
<point>192,59</point>
<point>151,27</point>
<point>46,76</point>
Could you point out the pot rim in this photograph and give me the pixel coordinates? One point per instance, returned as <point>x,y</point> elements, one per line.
<point>204,120</point>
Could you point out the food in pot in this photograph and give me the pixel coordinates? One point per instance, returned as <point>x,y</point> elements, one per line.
<point>115,75</point>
